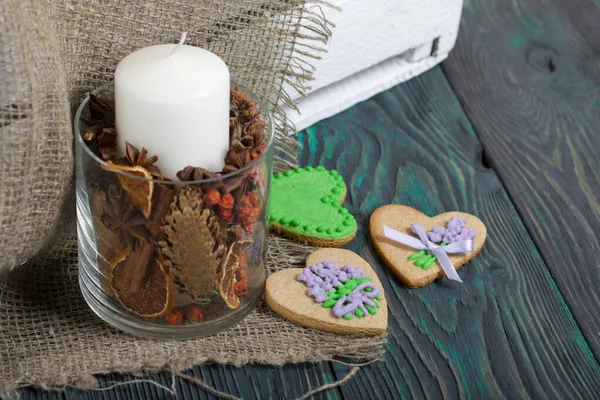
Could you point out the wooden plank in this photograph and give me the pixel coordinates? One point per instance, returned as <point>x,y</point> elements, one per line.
<point>528,76</point>
<point>505,332</point>
<point>251,382</point>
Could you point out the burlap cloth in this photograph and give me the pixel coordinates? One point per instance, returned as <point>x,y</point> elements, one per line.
<point>51,54</point>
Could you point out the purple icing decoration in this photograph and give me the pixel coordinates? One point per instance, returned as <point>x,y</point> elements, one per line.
<point>325,277</point>
<point>318,293</point>
<point>353,272</point>
<point>455,232</point>
<point>356,299</point>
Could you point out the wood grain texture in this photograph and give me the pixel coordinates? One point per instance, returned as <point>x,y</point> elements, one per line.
<point>505,332</point>
<point>528,76</point>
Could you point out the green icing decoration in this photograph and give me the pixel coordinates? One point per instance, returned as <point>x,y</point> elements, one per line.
<point>429,263</point>
<point>416,255</point>
<point>424,259</point>
<point>308,204</point>
<point>284,220</point>
<point>345,290</point>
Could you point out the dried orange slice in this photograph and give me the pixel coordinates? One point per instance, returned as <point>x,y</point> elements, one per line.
<point>106,266</point>
<point>155,298</point>
<point>138,191</point>
<point>228,280</point>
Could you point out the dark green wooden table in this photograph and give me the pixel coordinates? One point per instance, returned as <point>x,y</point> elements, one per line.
<point>507,129</point>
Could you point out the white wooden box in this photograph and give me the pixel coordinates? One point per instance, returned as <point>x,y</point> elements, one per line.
<point>375,45</point>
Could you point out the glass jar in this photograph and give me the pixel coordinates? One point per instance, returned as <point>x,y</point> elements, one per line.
<point>170,259</point>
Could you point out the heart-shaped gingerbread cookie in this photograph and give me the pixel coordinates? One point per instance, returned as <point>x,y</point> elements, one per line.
<point>305,206</point>
<point>417,268</point>
<point>296,294</point>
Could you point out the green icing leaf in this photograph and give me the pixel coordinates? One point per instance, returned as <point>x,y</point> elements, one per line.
<point>310,198</point>
<point>416,255</point>
<point>329,303</point>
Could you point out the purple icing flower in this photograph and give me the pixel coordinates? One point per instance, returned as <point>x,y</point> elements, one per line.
<point>318,293</point>
<point>311,279</point>
<point>455,232</point>
<point>457,223</point>
<point>325,277</point>
<point>353,272</point>
<point>436,234</point>
<point>356,299</point>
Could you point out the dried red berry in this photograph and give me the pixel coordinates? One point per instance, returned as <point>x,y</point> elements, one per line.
<point>254,198</point>
<point>241,289</point>
<point>194,313</point>
<point>245,209</point>
<point>227,201</point>
<point>175,317</point>
<point>242,275</point>
<point>225,214</point>
<point>212,197</point>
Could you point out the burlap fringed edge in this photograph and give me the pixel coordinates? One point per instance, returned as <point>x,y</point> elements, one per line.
<point>90,382</point>
<point>307,46</point>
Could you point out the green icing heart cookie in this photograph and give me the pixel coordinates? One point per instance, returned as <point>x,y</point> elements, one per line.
<point>305,205</point>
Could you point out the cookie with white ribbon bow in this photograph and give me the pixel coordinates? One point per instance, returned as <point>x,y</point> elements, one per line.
<point>420,249</point>
<point>337,292</point>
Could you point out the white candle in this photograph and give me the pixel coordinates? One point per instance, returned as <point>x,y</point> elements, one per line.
<point>174,101</point>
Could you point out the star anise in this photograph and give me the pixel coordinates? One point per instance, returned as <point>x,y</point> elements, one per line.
<point>196,174</point>
<point>107,143</point>
<point>134,158</point>
<point>245,125</point>
<point>101,113</point>
<point>99,131</point>
<point>234,161</point>
<point>127,221</point>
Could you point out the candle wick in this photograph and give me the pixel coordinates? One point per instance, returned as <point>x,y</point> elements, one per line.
<point>183,37</point>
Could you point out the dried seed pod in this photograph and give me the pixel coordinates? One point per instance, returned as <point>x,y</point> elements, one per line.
<point>190,245</point>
